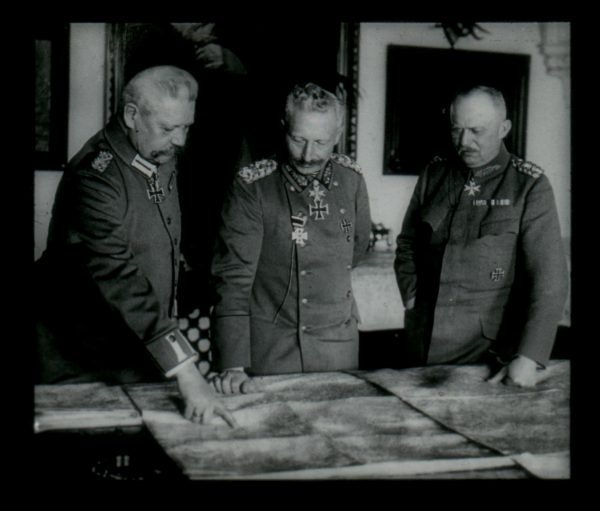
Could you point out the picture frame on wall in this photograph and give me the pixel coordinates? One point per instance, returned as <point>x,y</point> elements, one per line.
<point>420,84</point>
<point>127,41</point>
<point>51,93</point>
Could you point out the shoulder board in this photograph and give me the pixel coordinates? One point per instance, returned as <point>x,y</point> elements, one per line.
<point>346,161</point>
<point>527,167</point>
<point>257,170</point>
<point>101,160</point>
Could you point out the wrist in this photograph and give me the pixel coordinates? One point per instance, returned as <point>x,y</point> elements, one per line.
<point>186,370</point>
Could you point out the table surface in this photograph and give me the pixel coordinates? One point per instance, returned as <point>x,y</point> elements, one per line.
<point>428,422</point>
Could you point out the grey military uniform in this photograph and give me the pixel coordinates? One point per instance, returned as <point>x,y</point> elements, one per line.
<point>110,271</point>
<point>482,255</point>
<point>282,267</point>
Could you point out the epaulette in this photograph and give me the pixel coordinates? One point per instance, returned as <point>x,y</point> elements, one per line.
<point>527,167</point>
<point>101,160</point>
<point>257,170</point>
<point>346,161</point>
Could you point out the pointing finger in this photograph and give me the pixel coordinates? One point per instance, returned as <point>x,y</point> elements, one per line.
<point>227,416</point>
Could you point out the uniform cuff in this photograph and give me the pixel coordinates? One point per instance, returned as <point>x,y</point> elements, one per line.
<point>170,351</point>
<point>538,364</point>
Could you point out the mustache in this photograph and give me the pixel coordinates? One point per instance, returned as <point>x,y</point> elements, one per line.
<point>172,151</point>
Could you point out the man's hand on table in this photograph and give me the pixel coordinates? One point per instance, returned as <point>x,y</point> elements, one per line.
<point>520,372</point>
<point>201,404</point>
<point>232,381</point>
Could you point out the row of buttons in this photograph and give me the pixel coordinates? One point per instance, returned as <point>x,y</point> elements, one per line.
<point>303,328</point>
<point>169,221</point>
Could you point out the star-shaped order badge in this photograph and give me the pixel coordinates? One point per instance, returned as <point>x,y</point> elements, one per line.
<point>472,187</point>
<point>316,193</point>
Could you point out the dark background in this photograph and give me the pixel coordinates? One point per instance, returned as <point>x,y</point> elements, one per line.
<point>420,85</point>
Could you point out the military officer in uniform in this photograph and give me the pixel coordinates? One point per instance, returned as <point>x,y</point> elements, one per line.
<point>479,261</point>
<point>106,308</point>
<point>292,229</point>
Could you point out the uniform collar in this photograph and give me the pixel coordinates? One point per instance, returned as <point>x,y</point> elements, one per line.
<point>497,165</point>
<point>324,176</point>
<point>116,135</point>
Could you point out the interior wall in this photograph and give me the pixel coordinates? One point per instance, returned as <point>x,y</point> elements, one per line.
<point>86,115</point>
<point>548,121</point>
<point>548,126</point>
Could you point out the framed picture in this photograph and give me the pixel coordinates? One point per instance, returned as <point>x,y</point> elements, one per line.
<point>348,67</point>
<point>420,85</point>
<point>51,91</point>
<point>133,46</point>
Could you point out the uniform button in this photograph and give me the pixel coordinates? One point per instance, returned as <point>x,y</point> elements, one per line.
<point>342,211</point>
<point>335,183</point>
<point>304,300</point>
<point>349,267</point>
<point>292,189</point>
<point>349,294</point>
<point>303,272</point>
<point>169,220</point>
<point>303,328</point>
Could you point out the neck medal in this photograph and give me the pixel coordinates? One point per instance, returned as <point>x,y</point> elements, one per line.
<point>472,187</point>
<point>155,191</point>
<point>318,208</point>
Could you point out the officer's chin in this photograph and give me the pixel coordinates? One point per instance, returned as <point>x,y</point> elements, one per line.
<point>470,159</point>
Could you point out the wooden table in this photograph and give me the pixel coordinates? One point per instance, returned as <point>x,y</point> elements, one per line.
<point>434,422</point>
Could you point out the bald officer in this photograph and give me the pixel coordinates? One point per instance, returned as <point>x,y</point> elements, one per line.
<point>479,261</point>
<point>108,278</point>
<point>292,229</point>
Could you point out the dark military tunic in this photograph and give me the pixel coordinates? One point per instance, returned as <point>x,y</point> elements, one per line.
<point>481,252</point>
<point>284,254</point>
<point>108,277</point>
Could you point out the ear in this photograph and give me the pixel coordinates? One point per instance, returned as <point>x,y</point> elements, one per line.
<point>505,128</point>
<point>130,111</point>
